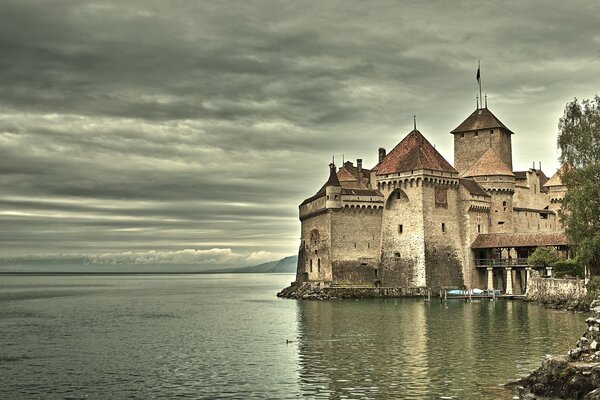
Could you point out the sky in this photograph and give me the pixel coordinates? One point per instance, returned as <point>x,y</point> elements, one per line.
<point>189,131</point>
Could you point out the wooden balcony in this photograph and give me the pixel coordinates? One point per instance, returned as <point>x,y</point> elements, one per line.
<point>501,262</point>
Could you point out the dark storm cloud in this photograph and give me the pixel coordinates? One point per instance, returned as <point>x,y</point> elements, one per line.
<point>170,125</point>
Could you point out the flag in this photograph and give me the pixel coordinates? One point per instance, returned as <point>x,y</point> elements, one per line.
<point>478,74</point>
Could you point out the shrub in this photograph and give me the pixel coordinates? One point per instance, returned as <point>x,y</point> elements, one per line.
<point>543,257</point>
<point>568,268</point>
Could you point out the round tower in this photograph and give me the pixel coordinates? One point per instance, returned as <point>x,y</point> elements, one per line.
<point>496,178</point>
<point>333,189</point>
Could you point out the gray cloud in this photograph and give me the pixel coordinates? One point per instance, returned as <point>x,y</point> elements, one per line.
<point>198,125</point>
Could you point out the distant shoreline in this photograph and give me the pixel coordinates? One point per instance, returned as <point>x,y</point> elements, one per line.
<point>2,273</point>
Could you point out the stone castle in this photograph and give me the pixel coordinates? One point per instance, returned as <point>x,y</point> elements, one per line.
<point>415,221</point>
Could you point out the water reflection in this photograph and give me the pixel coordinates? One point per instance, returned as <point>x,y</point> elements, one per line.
<point>410,349</point>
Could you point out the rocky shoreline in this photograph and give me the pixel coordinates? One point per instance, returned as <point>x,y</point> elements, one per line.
<point>575,375</point>
<point>317,291</point>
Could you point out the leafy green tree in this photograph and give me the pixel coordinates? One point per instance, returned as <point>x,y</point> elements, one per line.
<point>542,257</point>
<point>579,143</point>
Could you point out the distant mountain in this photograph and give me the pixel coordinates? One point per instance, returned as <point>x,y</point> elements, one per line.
<point>285,265</point>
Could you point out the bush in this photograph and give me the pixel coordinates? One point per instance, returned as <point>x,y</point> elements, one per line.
<point>568,268</point>
<point>542,257</point>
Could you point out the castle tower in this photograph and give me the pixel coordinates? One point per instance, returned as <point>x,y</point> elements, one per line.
<point>477,134</point>
<point>420,224</point>
<point>497,179</point>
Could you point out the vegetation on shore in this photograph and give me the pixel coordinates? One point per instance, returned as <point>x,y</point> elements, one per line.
<point>579,143</point>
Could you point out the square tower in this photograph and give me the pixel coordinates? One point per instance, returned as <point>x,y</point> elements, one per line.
<point>477,134</point>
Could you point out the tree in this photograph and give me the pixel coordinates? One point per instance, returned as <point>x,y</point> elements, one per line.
<point>579,143</point>
<point>542,257</point>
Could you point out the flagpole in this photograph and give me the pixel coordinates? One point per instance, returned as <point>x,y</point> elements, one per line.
<point>479,80</point>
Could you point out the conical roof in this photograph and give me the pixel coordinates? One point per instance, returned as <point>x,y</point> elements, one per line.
<point>556,179</point>
<point>333,178</point>
<point>489,163</point>
<point>413,152</point>
<point>480,119</point>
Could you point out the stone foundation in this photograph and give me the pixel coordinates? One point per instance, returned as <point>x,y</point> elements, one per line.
<point>570,294</point>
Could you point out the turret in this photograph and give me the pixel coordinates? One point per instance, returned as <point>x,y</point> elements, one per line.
<point>333,189</point>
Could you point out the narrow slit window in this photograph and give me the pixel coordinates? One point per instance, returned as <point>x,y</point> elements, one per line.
<point>443,227</point>
<point>400,228</point>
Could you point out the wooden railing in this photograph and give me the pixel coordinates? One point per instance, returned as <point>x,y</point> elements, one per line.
<point>501,262</point>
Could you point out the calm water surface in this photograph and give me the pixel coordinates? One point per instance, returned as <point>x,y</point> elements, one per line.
<point>224,336</point>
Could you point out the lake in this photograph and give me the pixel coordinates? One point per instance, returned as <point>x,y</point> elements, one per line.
<point>225,337</point>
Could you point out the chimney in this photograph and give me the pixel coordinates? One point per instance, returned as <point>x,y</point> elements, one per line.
<point>360,170</point>
<point>381,154</point>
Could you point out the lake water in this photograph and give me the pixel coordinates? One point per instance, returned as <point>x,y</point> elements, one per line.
<point>224,336</point>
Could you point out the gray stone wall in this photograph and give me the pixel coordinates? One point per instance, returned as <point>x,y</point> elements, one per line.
<point>528,193</point>
<point>408,244</point>
<point>356,271</point>
<point>474,219</point>
<point>356,233</point>
<point>398,272</point>
<point>356,244</point>
<point>553,290</point>
<point>531,221</point>
<point>316,240</point>
<point>443,246</point>
<point>501,212</point>
<point>444,268</point>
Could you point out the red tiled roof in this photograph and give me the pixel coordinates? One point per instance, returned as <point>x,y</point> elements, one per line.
<point>489,163</point>
<point>413,152</point>
<point>345,176</point>
<point>479,120</point>
<point>496,240</point>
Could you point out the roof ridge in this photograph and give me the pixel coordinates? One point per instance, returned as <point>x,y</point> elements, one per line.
<point>414,151</point>
<point>482,118</point>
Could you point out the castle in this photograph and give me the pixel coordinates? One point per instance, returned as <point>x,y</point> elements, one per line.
<point>414,220</point>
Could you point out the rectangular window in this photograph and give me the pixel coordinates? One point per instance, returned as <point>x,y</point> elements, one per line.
<point>476,133</point>
<point>478,228</point>
<point>443,227</point>
<point>400,228</point>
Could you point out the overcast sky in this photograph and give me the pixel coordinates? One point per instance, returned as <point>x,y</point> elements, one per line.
<point>191,130</point>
